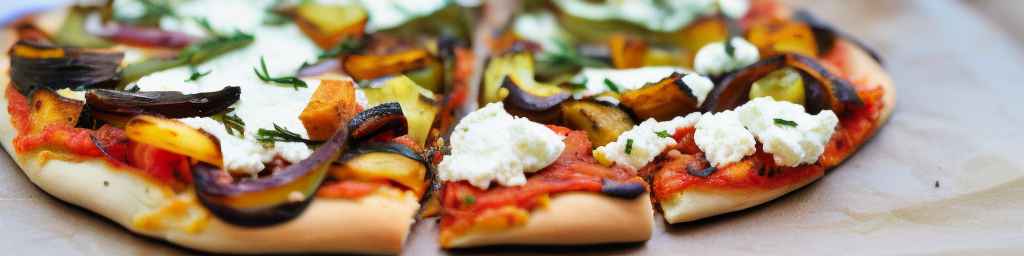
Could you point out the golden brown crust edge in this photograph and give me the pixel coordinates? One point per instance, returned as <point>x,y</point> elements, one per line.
<point>137,204</point>
<point>698,203</point>
<point>574,218</point>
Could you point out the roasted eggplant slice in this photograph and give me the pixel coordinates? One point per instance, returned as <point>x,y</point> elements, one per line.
<point>388,162</point>
<point>663,100</point>
<point>532,96</point>
<point>418,104</point>
<point>37,65</point>
<point>170,104</point>
<point>603,123</point>
<point>383,117</point>
<point>268,200</point>
<point>510,78</point>
<point>825,34</point>
<point>822,87</point>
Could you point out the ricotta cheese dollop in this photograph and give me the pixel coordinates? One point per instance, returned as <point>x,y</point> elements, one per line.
<point>787,131</point>
<point>723,138</point>
<point>640,145</point>
<point>490,144</point>
<point>712,59</point>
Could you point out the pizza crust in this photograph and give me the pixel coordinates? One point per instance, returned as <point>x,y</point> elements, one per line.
<point>151,209</point>
<point>697,203</point>
<point>574,218</point>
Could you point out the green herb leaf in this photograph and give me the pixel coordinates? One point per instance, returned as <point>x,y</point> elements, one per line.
<point>196,74</point>
<point>729,48</point>
<point>663,134</point>
<point>582,85</point>
<point>468,200</point>
<point>784,122</point>
<point>279,134</point>
<point>295,82</point>
<point>345,47</point>
<point>611,85</point>
<point>205,25</point>
<point>232,123</point>
<point>629,146</point>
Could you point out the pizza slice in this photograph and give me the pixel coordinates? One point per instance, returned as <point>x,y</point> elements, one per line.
<point>238,126</point>
<point>508,180</point>
<point>658,84</point>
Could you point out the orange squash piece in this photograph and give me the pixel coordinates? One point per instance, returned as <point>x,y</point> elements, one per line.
<point>332,105</point>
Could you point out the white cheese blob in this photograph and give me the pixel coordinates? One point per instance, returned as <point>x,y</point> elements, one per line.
<point>262,104</point>
<point>699,85</point>
<point>490,144</point>
<point>713,60</point>
<point>541,28</point>
<point>623,79</point>
<point>789,145</point>
<point>71,94</point>
<point>640,145</point>
<point>386,14</point>
<point>734,9</point>
<point>722,138</point>
<point>655,15</point>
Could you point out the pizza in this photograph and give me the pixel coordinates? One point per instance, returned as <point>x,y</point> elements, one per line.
<point>334,126</point>
<point>718,108</point>
<point>239,126</point>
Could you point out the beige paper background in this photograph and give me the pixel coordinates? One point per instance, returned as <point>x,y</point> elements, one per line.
<point>957,122</point>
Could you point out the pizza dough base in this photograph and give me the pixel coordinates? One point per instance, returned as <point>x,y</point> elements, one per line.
<point>373,224</point>
<point>697,203</point>
<point>574,218</point>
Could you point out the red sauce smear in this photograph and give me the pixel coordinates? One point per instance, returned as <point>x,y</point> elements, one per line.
<point>574,170</point>
<point>107,142</point>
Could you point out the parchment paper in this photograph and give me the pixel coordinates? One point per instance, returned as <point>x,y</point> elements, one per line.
<point>943,177</point>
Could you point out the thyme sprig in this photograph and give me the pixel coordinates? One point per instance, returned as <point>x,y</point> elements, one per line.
<point>232,123</point>
<point>295,82</point>
<point>279,134</point>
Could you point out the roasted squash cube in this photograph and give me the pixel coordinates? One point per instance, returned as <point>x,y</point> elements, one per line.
<point>332,105</point>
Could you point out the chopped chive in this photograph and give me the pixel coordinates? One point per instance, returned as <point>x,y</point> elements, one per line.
<point>663,134</point>
<point>611,85</point>
<point>469,200</point>
<point>629,146</point>
<point>784,122</point>
<point>729,48</point>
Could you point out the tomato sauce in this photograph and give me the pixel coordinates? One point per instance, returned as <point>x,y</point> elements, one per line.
<point>574,170</point>
<point>107,142</point>
<point>348,189</point>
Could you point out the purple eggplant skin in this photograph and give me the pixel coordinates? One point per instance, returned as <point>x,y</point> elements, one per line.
<point>169,104</point>
<point>269,200</point>
<point>74,67</point>
<point>524,100</point>
<point>625,190</point>
<point>378,119</point>
<point>829,91</point>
